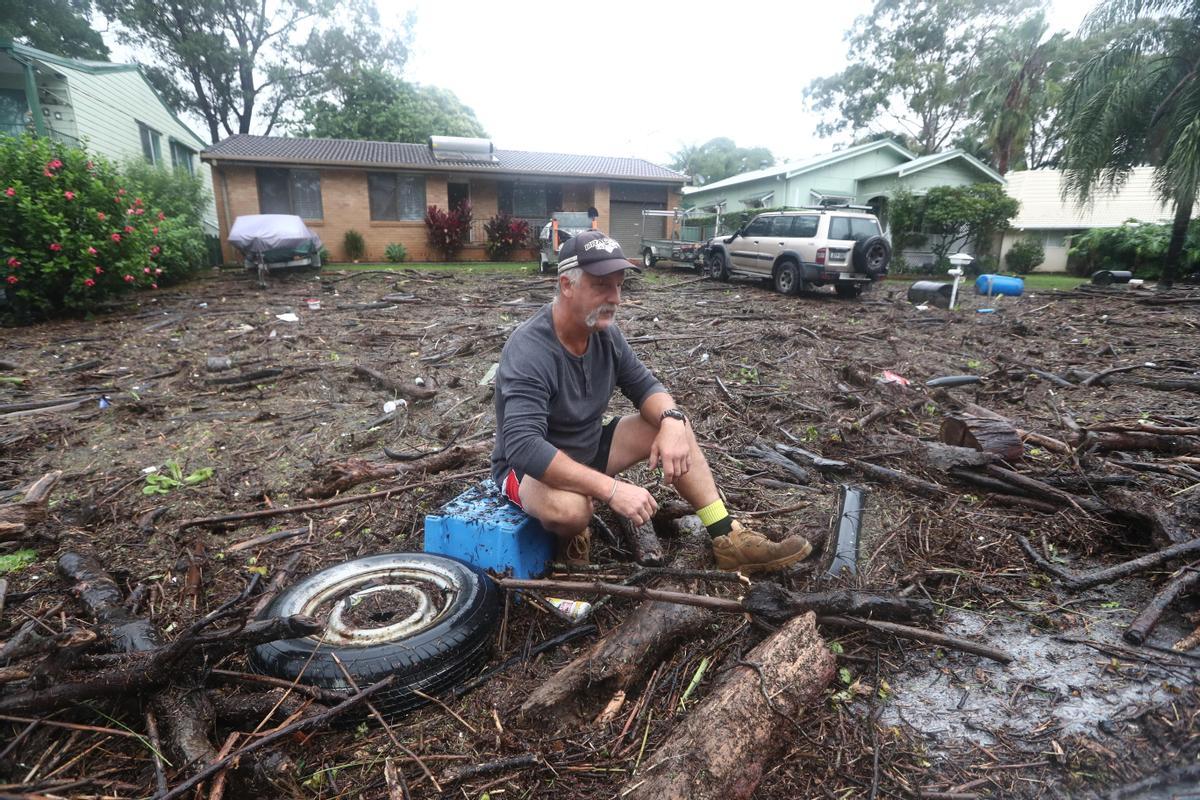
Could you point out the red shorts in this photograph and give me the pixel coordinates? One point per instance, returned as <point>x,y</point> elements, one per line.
<point>512,488</point>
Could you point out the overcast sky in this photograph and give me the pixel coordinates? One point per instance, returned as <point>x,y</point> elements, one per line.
<point>638,77</point>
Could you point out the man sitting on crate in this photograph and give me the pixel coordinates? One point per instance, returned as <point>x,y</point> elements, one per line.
<point>554,456</point>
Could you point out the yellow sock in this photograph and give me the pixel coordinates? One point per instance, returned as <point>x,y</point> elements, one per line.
<point>715,518</point>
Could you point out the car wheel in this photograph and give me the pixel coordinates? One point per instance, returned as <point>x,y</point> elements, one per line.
<point>717,269</point>
<point>872,256</point>
<point>648,258</point>
<point>788,279</point>
<point>428,619</point>
<point>847,290</point>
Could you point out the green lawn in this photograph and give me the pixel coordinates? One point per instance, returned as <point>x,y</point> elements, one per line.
<point>530,267</point>
<point>1039,281</point>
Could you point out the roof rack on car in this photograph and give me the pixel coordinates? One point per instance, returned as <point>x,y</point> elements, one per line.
<point>827,206</point>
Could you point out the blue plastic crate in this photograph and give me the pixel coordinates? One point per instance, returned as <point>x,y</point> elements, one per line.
<point>482,528</point>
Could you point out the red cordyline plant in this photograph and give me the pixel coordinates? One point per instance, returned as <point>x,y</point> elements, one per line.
<point>506,235</point>
<point>448,231</point>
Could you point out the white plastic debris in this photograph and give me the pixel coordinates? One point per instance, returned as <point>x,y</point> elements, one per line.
<point>490,375</point>
<point>288,317</point>
<point>392,405</point>
<point>419,381</point>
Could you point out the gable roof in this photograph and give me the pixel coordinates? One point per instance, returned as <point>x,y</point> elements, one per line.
<point>1043,207</point>
<point>400,155</point>
<point>925,162</point>
<point>93,68</point>
<point>794,168</point>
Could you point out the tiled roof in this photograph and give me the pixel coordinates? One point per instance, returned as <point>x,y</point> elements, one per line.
<point>354,152</point>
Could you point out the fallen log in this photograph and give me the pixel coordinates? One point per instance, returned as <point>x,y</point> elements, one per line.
<point>760,451</point>
<point>1108,441</point>
<point>1086,580</point>
<point>916,486</point>
<point>340,476</point>
<point>17,518</point>
<point>413,394</point>
<point>724,747</point>
<point>1180,584</point>
<point>643,542</point>
<point>616,665</point>
<point>772,602</point>
<point>984,434</point>
<point>145,673</point>
<point>189,714</point>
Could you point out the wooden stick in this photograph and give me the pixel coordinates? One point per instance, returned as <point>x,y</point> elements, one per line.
<point>1086,580</point>
<point>619,590</point>
<point>296,727</point>
<point>1181,583</point>
<point>920,634</point>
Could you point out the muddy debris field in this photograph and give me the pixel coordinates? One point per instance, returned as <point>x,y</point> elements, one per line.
<point>1022,622</point>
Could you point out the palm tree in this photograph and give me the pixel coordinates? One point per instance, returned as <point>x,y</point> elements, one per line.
<point>1137,101</point>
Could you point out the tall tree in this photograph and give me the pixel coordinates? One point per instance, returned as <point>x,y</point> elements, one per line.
<point>719,158</point>
<point>63,27</point>
<point>1135,102</point>
<point>242,65</point>
<point>912,67</point>
<point>374,104</point>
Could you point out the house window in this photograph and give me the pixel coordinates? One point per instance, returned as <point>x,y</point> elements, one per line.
<point>396,197</point>
<point>182,158</point>
<point>290,191</point>
<point>530,201</point>
<point>151,143</point>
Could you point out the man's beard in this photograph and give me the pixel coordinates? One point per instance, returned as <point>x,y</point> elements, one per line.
<point>593,319</point>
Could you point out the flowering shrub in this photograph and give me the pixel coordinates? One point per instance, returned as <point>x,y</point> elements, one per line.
<point>74,233</point>
<point>505,235</point>
<point>448,231</point>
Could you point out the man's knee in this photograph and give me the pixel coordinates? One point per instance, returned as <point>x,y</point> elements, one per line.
<point>565,513</point>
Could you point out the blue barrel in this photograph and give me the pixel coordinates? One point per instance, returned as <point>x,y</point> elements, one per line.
<point>999,284</point>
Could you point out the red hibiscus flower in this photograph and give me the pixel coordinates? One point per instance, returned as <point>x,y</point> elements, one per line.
<point>12,262</point>
<point>12,278</point>
<point>55,246</point>
<point>129,279</point>
<point>69,195</point>
<point>116,237</point>
<point>10,191</point>
<point>89,282</point>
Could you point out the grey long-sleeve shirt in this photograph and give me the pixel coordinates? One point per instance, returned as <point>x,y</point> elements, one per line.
<point>548,399</point>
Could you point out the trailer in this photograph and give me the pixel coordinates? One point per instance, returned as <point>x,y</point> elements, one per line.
<point>679,249</point>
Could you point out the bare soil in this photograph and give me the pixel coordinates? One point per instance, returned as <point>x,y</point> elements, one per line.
<point>1078,714</point>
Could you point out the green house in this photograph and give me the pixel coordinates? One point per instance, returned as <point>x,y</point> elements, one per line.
<point>110,109</point>
<point>867,174</point>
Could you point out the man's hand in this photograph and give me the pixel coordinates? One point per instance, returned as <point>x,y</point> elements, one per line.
<point>633,502</point>
<point>673,449</point>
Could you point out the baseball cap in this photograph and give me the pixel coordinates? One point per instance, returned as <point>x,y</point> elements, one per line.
<point>595,252</point>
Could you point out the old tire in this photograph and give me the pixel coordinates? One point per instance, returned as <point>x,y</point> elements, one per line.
<point>648,258</point>
<point>718,270</point>
<point>450,609</point>
<point>847,291</point>
<point>787,278</point>
<point>872,256</point>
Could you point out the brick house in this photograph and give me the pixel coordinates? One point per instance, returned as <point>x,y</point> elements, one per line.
<point>382,189</point>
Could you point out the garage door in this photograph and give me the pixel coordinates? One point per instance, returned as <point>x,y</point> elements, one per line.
<point>626,225</point>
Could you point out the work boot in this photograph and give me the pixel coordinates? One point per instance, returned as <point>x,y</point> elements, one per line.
<point>743,550</point>
<point>575,552</point>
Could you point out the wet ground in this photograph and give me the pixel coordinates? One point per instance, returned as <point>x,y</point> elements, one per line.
<point>1077,713</point>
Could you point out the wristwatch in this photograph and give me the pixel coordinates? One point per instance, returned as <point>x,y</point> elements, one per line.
<point>674,413</point>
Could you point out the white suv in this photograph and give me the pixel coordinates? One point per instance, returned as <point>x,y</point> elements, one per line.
<point>809,247</point>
